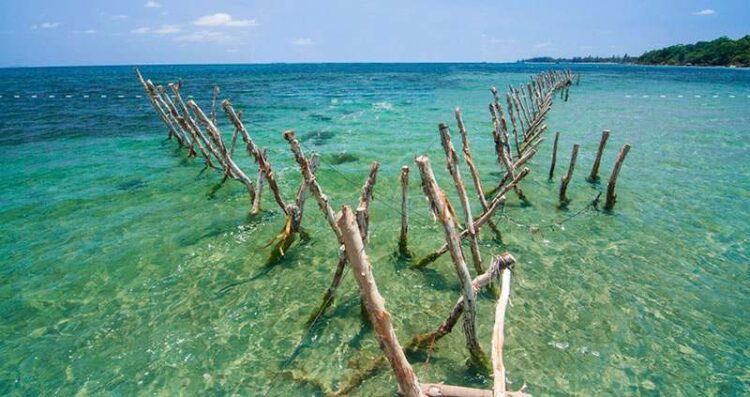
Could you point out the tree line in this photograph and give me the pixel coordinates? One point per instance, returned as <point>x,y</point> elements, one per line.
<point>720,52</point>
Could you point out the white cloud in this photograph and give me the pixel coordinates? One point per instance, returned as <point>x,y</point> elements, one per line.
<point>301,42</point>
<point>543,45</point>
<point>707,11</point>
<point>222,19</point>
<point>141,30</point>
<point>89,31</point>
<point>152,4</point>
<point>118,17</point>
<point>46,25</point>
<point>203,36</point>
<point>167,29</point>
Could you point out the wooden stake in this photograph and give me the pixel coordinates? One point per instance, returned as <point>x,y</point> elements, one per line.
<point>611,196</point>
<point>375,304</point>
<point>402,240</point>
<point>479,221</point>
<point>567,177</point>
<point>198,137</point>
<point>498,335</point>
<point>214,132</point>
<point>473,168</point>
<point>437,200</point>
<point>452,159</point>
<point>554,156</point>
<point>363,220</point>
<point>253,150</point>
<point>213,104</point>
<point>258,188</point>
<point>312,183</point>
<point>493,272</point>
<point>594,176</point>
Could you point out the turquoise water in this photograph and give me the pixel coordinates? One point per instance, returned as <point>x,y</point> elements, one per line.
<point>115,246</point>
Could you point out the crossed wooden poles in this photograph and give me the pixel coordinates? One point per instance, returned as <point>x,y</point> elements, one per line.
<point>526,107</point>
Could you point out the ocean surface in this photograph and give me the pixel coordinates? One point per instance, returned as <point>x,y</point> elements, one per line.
<point>126,270</point>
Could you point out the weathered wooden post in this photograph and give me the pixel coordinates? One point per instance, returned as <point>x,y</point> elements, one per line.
<point>408,384</point>
<point>498,335</point>
<point>258,188</point>
<point>611,196</point>
<point>594,176</point>
<point>403,249</point>
<point>554,156</point>
<point>473,168</point>
<point>439,205</point>
<point>452,163</point>
<point>567,177</point>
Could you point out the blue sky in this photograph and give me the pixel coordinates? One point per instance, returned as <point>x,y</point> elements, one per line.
<point>55,32</point>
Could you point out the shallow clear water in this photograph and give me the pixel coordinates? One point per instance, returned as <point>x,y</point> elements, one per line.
<point>114,248</point>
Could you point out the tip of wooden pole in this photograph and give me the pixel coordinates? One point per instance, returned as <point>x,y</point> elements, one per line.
<point>288,135</point>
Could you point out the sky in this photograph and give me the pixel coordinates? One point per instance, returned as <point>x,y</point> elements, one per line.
<point>137,32</point>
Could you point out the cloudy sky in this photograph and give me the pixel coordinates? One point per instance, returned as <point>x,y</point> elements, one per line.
<point>75,32</point>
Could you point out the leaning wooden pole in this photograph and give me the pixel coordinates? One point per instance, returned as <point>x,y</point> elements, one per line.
<point>452,160</point>
<point>594,175</point>
<point>363,219</point>
<point>554,156</point>
<point>255,152</point>
<point>440,206</point>
<point>312,183</point>
<point>214,132</point>
<point>408,384</point>
<point>564,200</point>
<point>498,335</point>
<point>403,249</point>
<point>473,168</point>
<point>258,188</point>
<point>611,196</point>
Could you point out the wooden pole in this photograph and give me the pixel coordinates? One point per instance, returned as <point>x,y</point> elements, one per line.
<point>473,168</point>
<point>408,383</point>
<point>567,177</point>
<point>213,103</point>
<point>402,240</point>
<point>312,183</point>
<point>479,221</point>
<point>214,132</point>
<point>198,137</point>
<point>299,199</point>
<point>258,188</point>
<point>498,335</point>
<point>493,272</point>
<point>554,156</point>
<point>438,202</point>
<point>594,176</point>
<point>363,219</point>
<point>611,196</point>
<point>452,159</point>
<point>254,152</point>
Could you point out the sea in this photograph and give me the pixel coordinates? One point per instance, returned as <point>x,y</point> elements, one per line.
<point>126,268</point>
